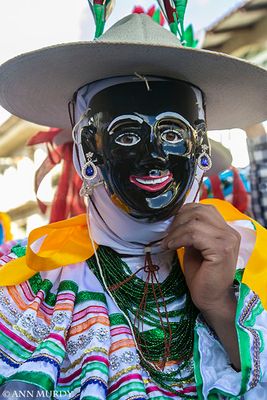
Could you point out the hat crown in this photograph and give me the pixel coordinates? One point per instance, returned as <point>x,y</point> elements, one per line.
<point>139,28</point>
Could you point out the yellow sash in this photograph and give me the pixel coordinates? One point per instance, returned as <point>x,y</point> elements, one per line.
<point>67,242</point>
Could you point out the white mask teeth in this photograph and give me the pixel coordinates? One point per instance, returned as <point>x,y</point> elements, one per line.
<point>154,181</point>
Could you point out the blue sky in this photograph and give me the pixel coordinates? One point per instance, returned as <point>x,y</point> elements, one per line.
<point>199,12</point>
<point>202,13</point>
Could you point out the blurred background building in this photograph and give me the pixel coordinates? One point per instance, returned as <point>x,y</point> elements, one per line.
<point>241,33</point>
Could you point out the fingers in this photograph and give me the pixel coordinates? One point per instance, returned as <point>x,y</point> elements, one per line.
<point>193,233</point>
<point>211,241</point>
<point>199,212</point>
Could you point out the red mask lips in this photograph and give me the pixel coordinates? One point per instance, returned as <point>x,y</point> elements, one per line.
<point>151,183</point>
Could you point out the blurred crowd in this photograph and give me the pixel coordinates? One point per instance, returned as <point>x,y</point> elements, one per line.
<point>246,188</point>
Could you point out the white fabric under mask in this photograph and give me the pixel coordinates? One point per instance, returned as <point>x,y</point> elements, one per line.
<point>109,225</point>
<point>113,227</point>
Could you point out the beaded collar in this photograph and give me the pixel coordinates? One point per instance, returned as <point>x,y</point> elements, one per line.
<point>145,303</point>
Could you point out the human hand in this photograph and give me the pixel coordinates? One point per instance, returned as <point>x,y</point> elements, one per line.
<point>211,252</point>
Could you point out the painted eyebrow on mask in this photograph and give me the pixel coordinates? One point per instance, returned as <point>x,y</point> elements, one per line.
<point>123,120</point>
<point>174,115</point>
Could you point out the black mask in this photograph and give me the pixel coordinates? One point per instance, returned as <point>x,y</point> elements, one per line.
<point>146,143</point>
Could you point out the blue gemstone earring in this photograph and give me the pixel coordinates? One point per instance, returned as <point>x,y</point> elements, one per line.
<point>89,173</point>
<point>204,161</point>
<point>89,170</point>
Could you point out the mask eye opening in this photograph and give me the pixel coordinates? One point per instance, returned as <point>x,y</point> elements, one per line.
<point>128,139</point>
<point>174,128</point>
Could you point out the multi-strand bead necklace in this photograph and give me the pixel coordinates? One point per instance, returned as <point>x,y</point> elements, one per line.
<point>145,303</point>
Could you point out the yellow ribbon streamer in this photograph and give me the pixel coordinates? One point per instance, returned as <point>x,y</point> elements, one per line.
<point>67,242</point>
<point>5,222</point>
<point>63,243</point>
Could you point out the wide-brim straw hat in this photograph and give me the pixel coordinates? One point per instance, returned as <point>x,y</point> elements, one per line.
<point>38,85</point>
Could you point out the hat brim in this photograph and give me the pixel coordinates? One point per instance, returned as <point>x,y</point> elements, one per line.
<point>37,86</point>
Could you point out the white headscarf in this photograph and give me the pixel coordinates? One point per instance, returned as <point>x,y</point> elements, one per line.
<point>110,225</point>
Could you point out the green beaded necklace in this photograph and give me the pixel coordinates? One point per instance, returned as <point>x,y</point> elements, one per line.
<point>128,292</point>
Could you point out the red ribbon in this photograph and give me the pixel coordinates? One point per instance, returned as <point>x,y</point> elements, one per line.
<point>150,12</point>
<point>216,187</point>
<point>67,202</point>
<point>240,198</point>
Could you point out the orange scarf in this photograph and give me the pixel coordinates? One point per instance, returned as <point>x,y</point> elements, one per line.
<point>67,242</point>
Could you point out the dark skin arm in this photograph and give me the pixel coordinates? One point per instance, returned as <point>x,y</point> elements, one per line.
<point>211,252</point>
